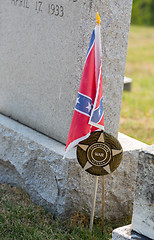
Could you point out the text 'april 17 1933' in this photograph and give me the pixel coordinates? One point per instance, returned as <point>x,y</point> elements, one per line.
<point>51,8</point>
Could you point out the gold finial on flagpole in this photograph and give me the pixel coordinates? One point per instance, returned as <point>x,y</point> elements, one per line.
<point>98,20</point>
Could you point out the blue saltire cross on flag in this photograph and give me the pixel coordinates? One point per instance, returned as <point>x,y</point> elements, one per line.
<point>88,113</point>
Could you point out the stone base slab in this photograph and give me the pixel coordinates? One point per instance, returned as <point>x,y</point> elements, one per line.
<point>126,233</point>
<point>35,162</point>
<point>122,233</point>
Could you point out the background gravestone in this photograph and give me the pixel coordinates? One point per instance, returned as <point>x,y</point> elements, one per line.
<point>142,226</point>
<point>43,47</point>
<point>142,221</point>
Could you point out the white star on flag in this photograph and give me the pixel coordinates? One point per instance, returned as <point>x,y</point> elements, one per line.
<point>77,101</point>
<point>89,107</point>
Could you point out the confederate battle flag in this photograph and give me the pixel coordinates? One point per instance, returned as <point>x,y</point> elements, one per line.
<point>88,113</point>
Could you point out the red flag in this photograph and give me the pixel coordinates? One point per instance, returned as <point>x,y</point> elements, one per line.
<point>88,113</point>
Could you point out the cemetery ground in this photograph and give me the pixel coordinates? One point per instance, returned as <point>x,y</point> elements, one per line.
<point>21,219</point>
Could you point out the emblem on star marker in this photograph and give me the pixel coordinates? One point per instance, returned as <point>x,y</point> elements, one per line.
<point>100,153</point>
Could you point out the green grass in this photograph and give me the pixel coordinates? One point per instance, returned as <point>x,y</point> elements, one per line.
<point>137,114</point>
<point>21,219</point>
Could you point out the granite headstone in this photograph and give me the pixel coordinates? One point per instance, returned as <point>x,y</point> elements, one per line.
<point>42,50</point>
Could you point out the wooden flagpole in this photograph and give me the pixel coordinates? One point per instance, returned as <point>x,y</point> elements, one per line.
<point>103,203</point>
<point>93,204</point>
<point>98,21</point>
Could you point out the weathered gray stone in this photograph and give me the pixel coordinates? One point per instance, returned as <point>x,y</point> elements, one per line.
<point>43,57</point>
<point>143,213</point>
<point>122,233</point>
<point>126,233</point>
<point>34,162</point>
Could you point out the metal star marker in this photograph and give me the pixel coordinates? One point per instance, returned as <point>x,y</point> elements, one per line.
<point>99,154</point>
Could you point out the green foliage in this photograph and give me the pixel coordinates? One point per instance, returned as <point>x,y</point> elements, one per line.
<point>143,12</point>
<point>21,219</point>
